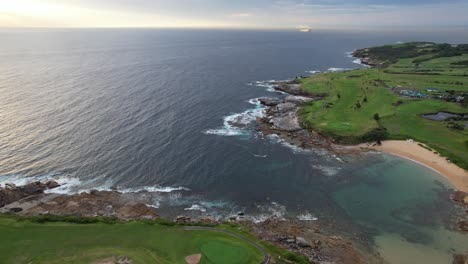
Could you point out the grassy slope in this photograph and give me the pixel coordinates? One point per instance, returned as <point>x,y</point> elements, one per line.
<point>403,121</point>
<point>23,242</point>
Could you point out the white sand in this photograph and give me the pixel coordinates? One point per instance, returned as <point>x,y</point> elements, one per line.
<point>412,151</point>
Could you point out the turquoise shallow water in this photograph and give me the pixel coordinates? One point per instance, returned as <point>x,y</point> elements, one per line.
<point>407,206</point>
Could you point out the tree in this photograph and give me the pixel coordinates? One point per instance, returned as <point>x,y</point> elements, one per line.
<point>376,117</point>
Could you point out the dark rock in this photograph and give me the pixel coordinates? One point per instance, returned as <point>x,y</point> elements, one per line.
<point>285,107</point>
<point>183,219</point>
<point>460,198</point>
<point>302,242</point>
<point>34,188</point>
<point>52,184</point>
<point>463,225</point>
<point>460,259</point>
<point>10,186</point>
<point>208,220</point>
<point>11,193</point>
<point>240,213</point>
<point>270,101</point>
<point>16,209</point>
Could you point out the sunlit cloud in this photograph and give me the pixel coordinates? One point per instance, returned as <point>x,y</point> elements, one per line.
<point>233,14</point>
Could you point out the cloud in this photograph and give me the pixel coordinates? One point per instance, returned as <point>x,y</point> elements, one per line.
<point>234,14</point>
<point>242,15</point>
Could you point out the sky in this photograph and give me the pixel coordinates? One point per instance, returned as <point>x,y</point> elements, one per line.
<point>264,14</point>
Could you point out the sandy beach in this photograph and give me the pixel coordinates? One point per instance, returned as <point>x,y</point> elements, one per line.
<point>412,151</point>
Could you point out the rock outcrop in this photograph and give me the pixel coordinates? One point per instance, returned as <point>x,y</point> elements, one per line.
<point>12,193</point>
<point>30,200</point>
<point>309,241</point>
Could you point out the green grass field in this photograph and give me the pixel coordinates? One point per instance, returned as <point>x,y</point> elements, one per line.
<point>30,242</point>
<point>339,116</point>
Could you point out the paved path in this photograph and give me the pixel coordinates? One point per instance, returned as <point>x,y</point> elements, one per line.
<point>266,256</point>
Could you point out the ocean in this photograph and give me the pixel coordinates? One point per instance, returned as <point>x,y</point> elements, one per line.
<point>149,109</point>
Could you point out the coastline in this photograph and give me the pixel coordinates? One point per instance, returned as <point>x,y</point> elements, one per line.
<point>410,150</point>
<point>283,120</point>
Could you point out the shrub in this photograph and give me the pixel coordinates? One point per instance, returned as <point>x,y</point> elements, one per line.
<point>376,117</point>
<point>375,134</point>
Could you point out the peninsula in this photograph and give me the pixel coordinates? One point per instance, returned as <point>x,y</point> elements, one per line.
<point>411,101</point>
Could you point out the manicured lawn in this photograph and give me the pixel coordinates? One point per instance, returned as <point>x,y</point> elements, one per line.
<point>28,242</point>
<point>337,115</point>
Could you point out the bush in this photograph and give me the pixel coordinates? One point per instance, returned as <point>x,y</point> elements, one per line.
<point>376,134</point>
<point>295,258</point>
<point>72,219</point>
<point>376,117</point>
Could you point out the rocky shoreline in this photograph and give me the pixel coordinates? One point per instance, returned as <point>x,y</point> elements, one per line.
<point>282,119</point>
<point>305,238</point>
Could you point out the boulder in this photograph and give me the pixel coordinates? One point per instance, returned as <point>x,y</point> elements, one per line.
<point>285,107</point>
<point>183,219</point>
<point>10,186</point>
<point>16,209</point>
<point>270,101</point>
<point>52,184</point>
<point>302,242</point>
<point>33,188</point>
<point>11,193</point>
<point>288,122</point>
<point>298,99</point>
<point>460,197</point>
<point>463,225</point>
<point>460,259</point>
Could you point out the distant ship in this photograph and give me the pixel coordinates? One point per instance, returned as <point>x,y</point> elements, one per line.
<point>305,30</point>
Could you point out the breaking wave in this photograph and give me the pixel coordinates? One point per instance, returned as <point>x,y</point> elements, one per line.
<point>269,85</point>
<point>278,140</point>
<point>195,207</point>
<point>306,217</point>
<point>338,69</point>
<point>329,171</point>
<point>235,124</point>
<point>72,185</point>
<point>272,210</point>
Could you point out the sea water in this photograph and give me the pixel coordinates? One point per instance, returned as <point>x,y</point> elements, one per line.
<point>150,110</point>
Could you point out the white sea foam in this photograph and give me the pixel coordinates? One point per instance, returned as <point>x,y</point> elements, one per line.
<point>313,72</point>
<point>72,185</point>
<point>307,217</point>
<point>277,139</point>
<point>270,85</point>
<point>338,69</point>
<point>156,204</point>
<point>240,119</point>
<point>195,207</point>
<point>328,171</point>
<point>272,210</point>
<point>153,189</point>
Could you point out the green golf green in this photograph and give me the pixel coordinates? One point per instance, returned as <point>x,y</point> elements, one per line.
<point>29,242</point>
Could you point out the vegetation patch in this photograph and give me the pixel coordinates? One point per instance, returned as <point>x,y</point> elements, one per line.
<point>348,113</point>
<point>84,240</point>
